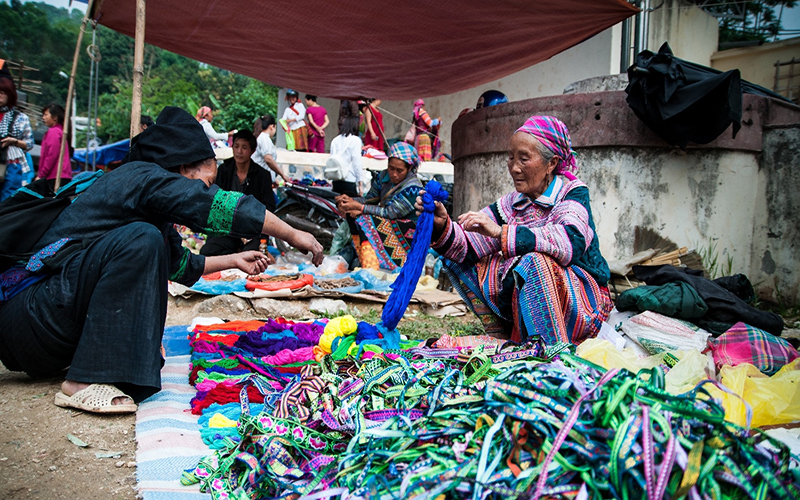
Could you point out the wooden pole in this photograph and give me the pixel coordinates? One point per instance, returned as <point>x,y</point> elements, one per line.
<point>69,93</point>
<point>138,69</point>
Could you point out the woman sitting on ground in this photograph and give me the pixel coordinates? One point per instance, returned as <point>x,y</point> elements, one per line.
<point>242,175</point>
<point>530,264</point>
<point>383,222</point>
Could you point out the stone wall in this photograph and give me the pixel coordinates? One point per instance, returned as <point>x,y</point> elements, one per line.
<point>740,195</point>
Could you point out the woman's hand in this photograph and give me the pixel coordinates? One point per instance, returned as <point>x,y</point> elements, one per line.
<point>350,206</point>
<point>342,198</point>
<point>10,141</point>
<point>286,178</point>
<point>479,222</point>
<point>251,262</point>
<point>306,243</point>
<point>374,136</point>
<point>440,216</point>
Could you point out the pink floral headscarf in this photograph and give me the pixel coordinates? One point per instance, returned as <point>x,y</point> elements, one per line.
<point>552,132</point>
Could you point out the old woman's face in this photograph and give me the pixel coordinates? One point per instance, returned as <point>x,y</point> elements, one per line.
<point>528,169</point>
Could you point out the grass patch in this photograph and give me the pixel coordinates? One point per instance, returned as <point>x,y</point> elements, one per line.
<point>423,326</point>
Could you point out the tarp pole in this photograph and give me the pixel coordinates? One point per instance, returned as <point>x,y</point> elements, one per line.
<point>138,69</point>
<point>69,94</point>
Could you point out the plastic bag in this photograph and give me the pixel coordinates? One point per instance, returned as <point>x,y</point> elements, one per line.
<point>219,287</point>
<point>375,280</point>
<point>688,372</point>
<point>602,352</point>
<point>683,377</point>
<point>347,289</point>
<point>774,400</point>
<point>333,265</point>
<point>341,238</point>
<point>658,333</point>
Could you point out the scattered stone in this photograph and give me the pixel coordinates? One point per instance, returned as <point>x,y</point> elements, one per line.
<point>119,464</point>
<point>271,308</point>
<point>327,306</point>
<point>230,303</point>
<point>130,465</point>
<point>53,467</point>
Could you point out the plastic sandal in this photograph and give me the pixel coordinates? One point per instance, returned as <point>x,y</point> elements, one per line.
<point>97,398</point>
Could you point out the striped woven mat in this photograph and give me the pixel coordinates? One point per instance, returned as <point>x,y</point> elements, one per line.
<point>167,434</point>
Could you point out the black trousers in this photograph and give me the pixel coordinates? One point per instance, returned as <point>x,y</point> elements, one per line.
<point>226,245</point>
<point>102,315</point>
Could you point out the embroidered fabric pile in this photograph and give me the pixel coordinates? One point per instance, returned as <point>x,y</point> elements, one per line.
<point>331,408</point>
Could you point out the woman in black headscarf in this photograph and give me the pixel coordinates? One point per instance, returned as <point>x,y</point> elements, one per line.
<point>94,297</point>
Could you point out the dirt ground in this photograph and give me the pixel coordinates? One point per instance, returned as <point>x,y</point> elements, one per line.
<point>38,461</point>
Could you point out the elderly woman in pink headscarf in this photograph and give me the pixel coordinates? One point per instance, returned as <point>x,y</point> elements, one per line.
<point>425,132</point>
<point>529,265</point>
<point>218,139</point>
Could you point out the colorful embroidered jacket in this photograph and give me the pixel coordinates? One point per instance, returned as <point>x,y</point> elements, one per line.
<point>393,201</point>
<point>558,223</point>
<point>145,192</point>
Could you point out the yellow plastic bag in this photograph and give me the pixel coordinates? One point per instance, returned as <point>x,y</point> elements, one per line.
<point>604,353</point>
<point>683,377</point>
<point>687,372</point>
<point>774,400</point>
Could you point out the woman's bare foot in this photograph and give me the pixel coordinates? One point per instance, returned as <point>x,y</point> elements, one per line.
<point>70,387</point>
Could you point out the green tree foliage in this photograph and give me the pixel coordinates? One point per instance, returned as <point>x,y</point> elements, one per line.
<point>44,37</point>
<point>741,21</point>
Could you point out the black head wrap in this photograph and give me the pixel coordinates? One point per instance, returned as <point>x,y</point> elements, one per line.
<point>176,139</point>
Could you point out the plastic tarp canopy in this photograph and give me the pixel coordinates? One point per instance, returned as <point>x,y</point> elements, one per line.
<point>376,48</point>
<point>105,154</point>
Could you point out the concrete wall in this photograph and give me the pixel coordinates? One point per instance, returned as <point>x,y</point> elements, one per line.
<point>757,64</point>
<point>741,195</point>
<point>692,34</point>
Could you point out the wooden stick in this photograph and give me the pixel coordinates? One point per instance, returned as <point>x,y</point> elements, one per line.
<point>138,69</point>
<point>69,94</point>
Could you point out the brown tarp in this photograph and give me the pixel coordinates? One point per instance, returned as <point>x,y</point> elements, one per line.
<point>391,49</point>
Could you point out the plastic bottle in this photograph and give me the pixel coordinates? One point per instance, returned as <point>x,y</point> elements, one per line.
<point>262,247</point>
<point>430,263</point>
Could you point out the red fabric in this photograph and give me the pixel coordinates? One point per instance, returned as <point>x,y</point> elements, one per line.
<point>305,279</point>
<point>224,394</point>
<point>413,49</point>
<point>377,123</point>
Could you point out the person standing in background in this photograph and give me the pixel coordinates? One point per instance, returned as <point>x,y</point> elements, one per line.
<point>318,121</point>
<point>53,117</point>
<point>346,149</point>
<point>16,137</point>
<point>374,136</point>
<point>266,154</point>
<point>295,116</point>
<point>218,139</point>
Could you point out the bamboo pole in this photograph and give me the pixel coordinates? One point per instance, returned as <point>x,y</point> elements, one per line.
<point>138,69</point>
<point>69,94</point>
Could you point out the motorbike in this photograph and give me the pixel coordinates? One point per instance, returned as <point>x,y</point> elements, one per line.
<point>311,209</point>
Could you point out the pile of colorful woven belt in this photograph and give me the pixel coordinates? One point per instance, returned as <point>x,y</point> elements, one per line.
<point>333,410</point>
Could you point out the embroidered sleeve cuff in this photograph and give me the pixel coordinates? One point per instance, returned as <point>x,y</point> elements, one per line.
<point>517,240</point>
<point>370,209</point>
<point>448,231</point>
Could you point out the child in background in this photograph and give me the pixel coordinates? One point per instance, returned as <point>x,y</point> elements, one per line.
<point>318,121</point>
